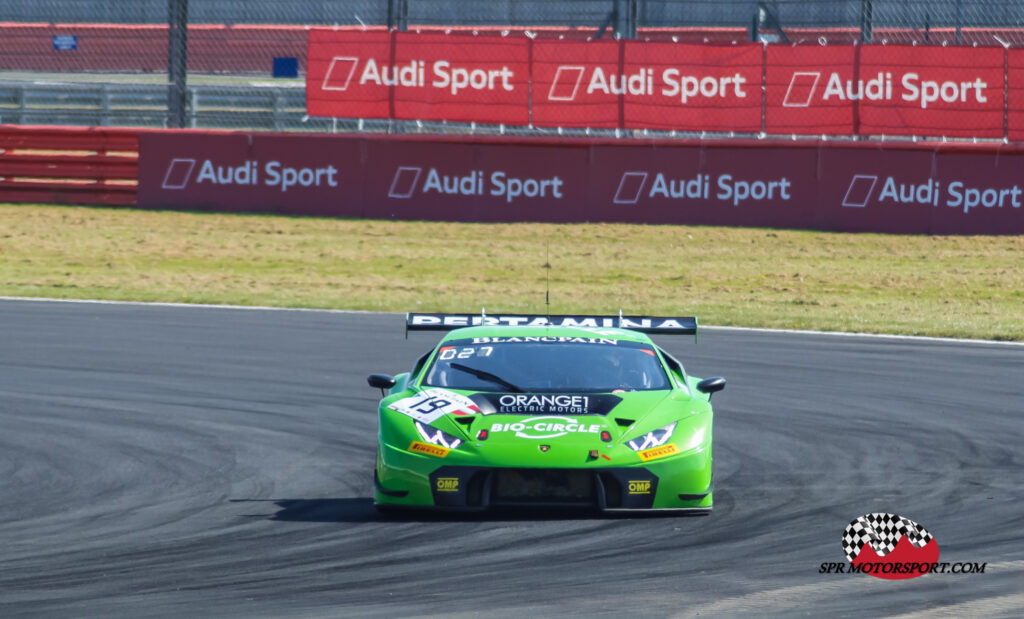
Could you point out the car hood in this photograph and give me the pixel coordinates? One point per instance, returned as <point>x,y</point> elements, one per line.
<point>564,429</point>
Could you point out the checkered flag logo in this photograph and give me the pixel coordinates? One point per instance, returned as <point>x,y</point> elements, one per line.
<point>882,532</point>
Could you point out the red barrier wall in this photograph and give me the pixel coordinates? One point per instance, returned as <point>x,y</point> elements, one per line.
<point>68,166</point>
<point>212,48</point>
<point>918,189</point>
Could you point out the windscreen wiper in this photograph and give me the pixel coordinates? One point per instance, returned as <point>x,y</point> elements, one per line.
<point>494,378</point>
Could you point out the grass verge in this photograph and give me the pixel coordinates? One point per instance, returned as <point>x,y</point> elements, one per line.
<point>970,287</point>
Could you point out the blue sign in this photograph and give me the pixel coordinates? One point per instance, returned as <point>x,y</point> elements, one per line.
<point>286,67</point>
<point>65,42</point>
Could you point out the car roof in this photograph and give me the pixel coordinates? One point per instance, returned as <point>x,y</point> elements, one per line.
<point>581,332</point>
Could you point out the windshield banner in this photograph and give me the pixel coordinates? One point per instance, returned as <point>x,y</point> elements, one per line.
<point>647,324</point>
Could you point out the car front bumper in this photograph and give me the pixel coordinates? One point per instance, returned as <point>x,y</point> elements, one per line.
<point>680,482</point>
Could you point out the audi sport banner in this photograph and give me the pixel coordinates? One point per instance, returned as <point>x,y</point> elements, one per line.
<point>418,76</point>
<point>908,90</point>
<point>692,87</point>
<point>796,77</point>
<point>343,74</point>
<point>462,78</point>
<point>871,90</point>
<point>573,84</point>
<point>906,188</point>
<point>633,85</point>
<point>1015,88</point>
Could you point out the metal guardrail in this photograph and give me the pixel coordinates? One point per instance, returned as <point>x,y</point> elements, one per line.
<point>219,106</point>
<point>248,107</point>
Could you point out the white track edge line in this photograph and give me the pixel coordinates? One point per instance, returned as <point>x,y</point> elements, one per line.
<point>264,308</point>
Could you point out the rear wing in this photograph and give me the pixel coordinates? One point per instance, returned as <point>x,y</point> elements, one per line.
<point>673,325</point>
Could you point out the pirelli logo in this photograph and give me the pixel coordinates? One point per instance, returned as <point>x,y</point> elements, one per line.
<point>427,448</point>
<point>658,452</point>
<point>640,486</point>
<point>447,484</point>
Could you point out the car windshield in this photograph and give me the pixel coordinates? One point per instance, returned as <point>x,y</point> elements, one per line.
<point>581,364</point>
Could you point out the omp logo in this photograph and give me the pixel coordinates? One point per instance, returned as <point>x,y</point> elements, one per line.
<point>630,186</point>
<point>801,89</point>
<point>340,73</point>
<point>404,183</point>
<point>566,83</point>
<point>178,173</point>
<point>642,486</point>
<point>447,484</point>
<point>860,190</point>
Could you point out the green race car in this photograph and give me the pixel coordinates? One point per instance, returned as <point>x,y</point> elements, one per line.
<point>516,410</point>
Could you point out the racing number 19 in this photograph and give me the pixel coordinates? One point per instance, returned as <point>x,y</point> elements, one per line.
<point>429,404</point>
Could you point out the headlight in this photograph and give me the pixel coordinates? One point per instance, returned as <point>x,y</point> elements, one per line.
<point>654,438</point>
<point>437,437</point>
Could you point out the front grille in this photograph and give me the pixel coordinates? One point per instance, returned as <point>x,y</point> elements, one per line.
<point>518,486</point>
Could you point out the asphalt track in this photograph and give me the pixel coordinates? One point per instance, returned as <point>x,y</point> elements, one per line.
<point>162,461</point>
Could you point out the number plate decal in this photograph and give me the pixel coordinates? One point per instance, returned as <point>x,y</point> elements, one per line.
<point>432,404</point>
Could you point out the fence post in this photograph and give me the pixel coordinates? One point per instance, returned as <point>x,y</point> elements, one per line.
<point>865,21</point>
<point>278,112</point>
<point>959,23</point>
<point>624,12</point>
<point>105,105</point>
<point>177,67</point>
<point>398,15</point>
<point>22,105</point>
<point>194,108</point>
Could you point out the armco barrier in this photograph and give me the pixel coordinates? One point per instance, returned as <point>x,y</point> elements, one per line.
<point>68,165</point>
<point>906,188</point>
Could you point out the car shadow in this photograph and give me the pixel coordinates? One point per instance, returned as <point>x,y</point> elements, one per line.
<point>361,509</point>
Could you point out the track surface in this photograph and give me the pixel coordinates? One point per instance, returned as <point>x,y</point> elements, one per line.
<point>206,462</point>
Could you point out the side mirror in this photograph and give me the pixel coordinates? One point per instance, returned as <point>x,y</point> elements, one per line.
<point>382,382</point>
<point>711,385</point>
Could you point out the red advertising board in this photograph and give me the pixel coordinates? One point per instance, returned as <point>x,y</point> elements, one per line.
<point>867,90</point>
<point>717,185</point>
<point>257,172</point>
<point>466,78</point>
<point>455,181</point>
<point>570,83</point>
<point>418,76</point>
<point>338,60</point>
<point>917,189</point>
<point>799,100</point>
<point>929,91</point>
<point>1015,93</point>
<point>674,86</point>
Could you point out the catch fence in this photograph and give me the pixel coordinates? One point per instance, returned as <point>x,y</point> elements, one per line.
<point>245,64</point>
